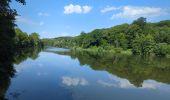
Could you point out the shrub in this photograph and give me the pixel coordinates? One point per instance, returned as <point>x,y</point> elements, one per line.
<point>143,45</point>
<point>118,50</point>
<point>161,49</point>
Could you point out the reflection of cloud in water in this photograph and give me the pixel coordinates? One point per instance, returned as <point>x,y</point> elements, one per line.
<point>22,66</point>
<point>69,81</point>
<point>40,64</point>
<point>121,84</point>
<point>42,73</point>
<point>151,84</point>
<point>25,66</point>
<point>105,84</point>
<point>124,83</point>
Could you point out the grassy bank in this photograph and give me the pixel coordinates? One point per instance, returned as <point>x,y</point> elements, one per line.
<point>101,50</point>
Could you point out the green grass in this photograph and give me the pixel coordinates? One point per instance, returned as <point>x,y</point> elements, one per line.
<point>101,50</point>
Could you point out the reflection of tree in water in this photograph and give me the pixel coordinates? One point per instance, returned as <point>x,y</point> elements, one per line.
<point>133,68</point>
<point>22,55</point>
<point>7,71</point>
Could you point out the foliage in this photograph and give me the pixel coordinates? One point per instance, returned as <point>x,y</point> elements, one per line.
<point>7,31</point>
<point>143,45</point>
<point>162,49</point>
<point>140,36</point>
<point>23,40</point>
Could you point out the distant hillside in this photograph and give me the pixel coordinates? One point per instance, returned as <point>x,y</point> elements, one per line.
<point>141,37</point>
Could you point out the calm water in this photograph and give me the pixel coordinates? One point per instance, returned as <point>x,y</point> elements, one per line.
<point>59,74</point>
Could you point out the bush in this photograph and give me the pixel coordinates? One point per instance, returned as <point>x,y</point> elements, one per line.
<point>143,45</point>
<point>162,49</point>
<point>168,50</point>
<point>118,50</point>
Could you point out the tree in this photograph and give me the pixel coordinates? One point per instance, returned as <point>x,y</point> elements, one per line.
<point>139,36</point>
<point>141,22</point>
<point>7,34</point>
<point>161,49</point>
<point>131,33</point>
<point>162,35</point>
<point>7,31</point>
<point>7,19</point>
<point>21,39</point>
<point>143,45</point>
<point>34,39</point>
<point>123,41</point>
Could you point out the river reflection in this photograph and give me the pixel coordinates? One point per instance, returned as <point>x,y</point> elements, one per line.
<point>7,70</point>
<point>71,75</point>
<point>133,68</point>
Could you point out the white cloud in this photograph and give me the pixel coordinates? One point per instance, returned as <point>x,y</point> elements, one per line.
<point>69,81</point>
<point>69,9</point>
<point>109,8</point>
<point>86,9</point>
<point>134,12</point>
<point>43,14</point>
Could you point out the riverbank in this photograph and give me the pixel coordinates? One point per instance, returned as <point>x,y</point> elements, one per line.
<point>101,50</point>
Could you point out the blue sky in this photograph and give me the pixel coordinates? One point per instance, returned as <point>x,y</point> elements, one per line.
<point>53,18</point>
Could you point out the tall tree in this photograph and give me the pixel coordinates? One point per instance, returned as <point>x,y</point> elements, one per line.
<point>7,34</point>
<point>141,22</point>
<point>7,24</point>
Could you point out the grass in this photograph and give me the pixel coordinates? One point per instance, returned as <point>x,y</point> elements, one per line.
<point>101,50</point>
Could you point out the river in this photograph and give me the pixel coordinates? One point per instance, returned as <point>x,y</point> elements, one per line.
<point>61,74</point>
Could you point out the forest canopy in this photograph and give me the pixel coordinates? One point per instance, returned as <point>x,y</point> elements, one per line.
<point>141,37</point>
<point>25,40</point>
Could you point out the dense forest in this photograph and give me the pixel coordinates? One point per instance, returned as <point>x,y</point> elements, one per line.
<point>140,37</point>
<point>24,40</point>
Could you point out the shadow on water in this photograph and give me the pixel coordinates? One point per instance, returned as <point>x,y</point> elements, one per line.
<point>133,68</point>
<point>7,61</point>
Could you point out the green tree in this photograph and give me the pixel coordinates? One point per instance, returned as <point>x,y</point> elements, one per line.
<point>132,31</point>
<point>7,34</point>
<point>143,45</point>
<point>162,49</point>
<point>34,39</point>
<point>7,19</point>
<point>162,35</point>
<point>21,39</point>
<point>140,36</point>
<point>141,22</point>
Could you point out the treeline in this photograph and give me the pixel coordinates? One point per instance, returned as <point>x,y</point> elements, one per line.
<point>23,40</point>
<point>65,42</point>
<point>141,37</point>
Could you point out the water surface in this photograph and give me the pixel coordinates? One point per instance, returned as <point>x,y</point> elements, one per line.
<point>60,74</point>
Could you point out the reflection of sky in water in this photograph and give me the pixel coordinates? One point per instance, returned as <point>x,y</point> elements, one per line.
<point>57,49</point>
<point>74,81</point>
<point>53,76</point>
<point>124,83</point>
